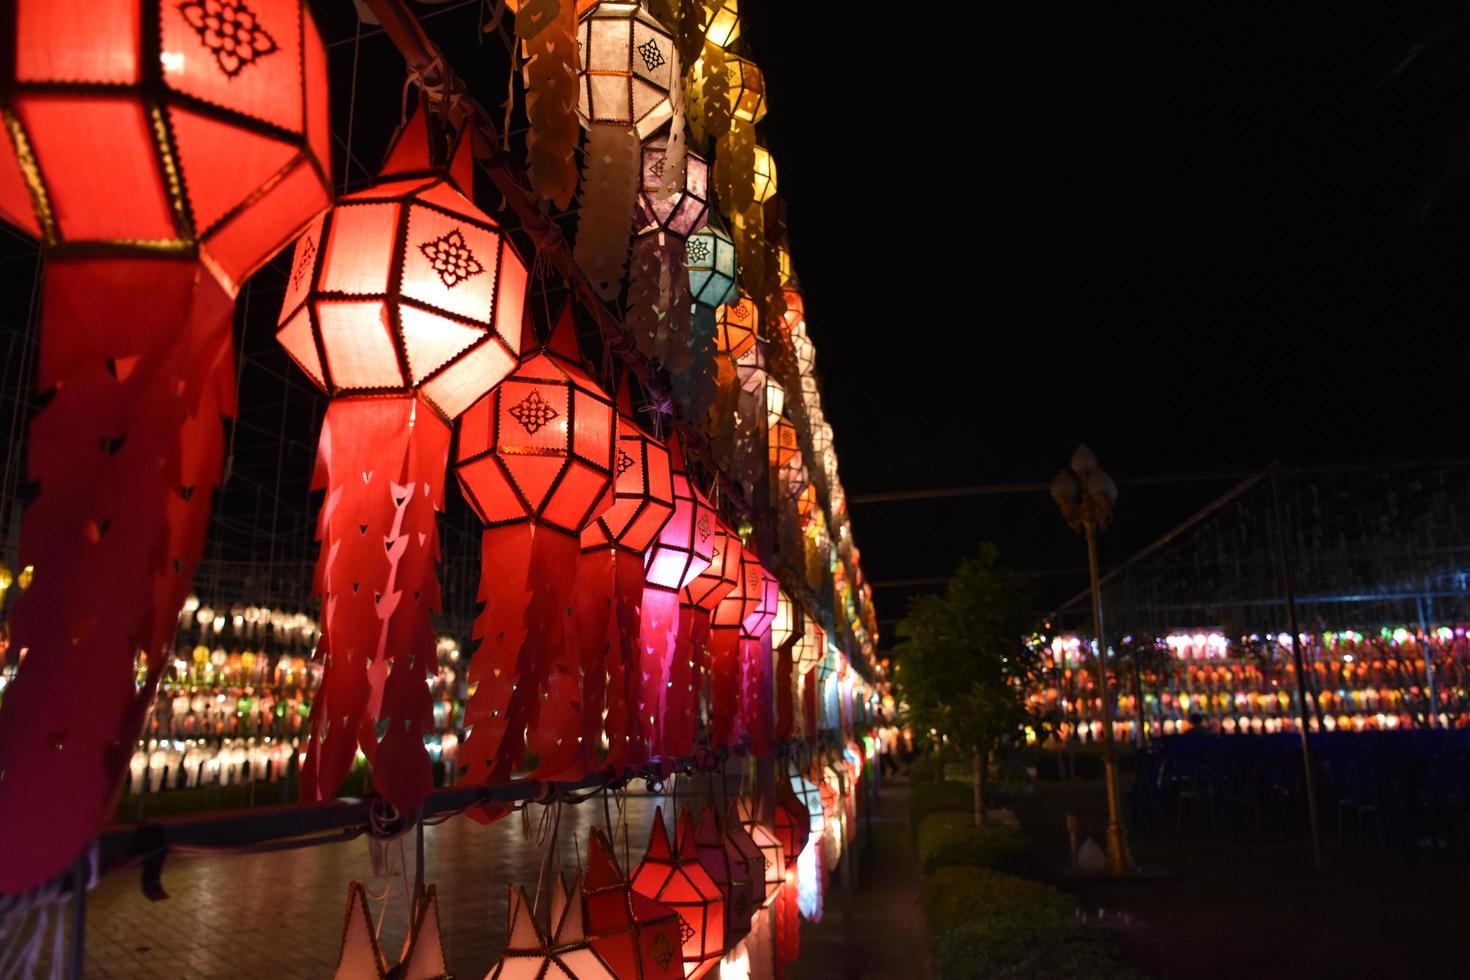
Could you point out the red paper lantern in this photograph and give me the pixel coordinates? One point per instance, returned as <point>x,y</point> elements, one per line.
<point>610,586</point>
<point>756,682</point>
<point>682,551</point>
<point>159,160</point>
<point>637,937</point>
<point>792,822</point>
<point>535,459</point>
<point>405,305</point>
<point>726,629</point>
<point>674,877</point>
<point>742,889</point>
<point>690,662</point>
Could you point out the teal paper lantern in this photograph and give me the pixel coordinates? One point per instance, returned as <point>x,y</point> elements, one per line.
<point>709,255</point>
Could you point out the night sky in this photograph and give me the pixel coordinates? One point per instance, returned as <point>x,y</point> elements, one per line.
<point>1200,237</point>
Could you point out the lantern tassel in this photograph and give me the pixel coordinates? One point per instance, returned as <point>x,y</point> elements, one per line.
<point>382,463</point>
<point>127,454</point>
<point>594,626</point>
<point>724,684</point>
<point>657,634</point>
<point>553,724</point>
<point>626,736</point>
<point>755,692</point>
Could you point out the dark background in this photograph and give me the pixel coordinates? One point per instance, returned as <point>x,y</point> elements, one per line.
<point>1200,237</point>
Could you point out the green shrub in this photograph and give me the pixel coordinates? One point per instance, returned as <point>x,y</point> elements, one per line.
<point>949,838</point>
<point>922,770</point>
<point>958,894</point>
<point>927,798</point>
<point>983,950</point>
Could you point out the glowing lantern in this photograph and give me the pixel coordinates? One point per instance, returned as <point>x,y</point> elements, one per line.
<point>731,873</point>
<point>770,847</point>
<point>726,641</point>
<point>755,666</point>
<point>563,950</point>
<point>638,938</point>
<point>610,586</point>
<point>785,629</point>
<point>160,152</point>
<point>404,304</point>
<point>749,851</point>
<point>361,958</point>
<point>722,26</point>
<point>690,661</point>
<point>673,876</point>
<point>747,89</point>
<point>792,822</point>
<point>765,175</point>
<point>677,214</point>
<point>627,65</point>
<point>709,255</point>
<point>736,324</point>
<point>535,461</point>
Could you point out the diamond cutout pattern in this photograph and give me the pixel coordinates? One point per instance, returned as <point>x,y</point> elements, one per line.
<point>229,30</point>
<point>652,57</point>
<point>625,462</point>
<point>451,258</point>
<point>533,412</point>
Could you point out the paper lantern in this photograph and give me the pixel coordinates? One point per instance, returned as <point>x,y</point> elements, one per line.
<point>792,822</point>
<point>637,937</point>
<point>404,304</point>
<point>726,655</point>
<point>722,23</point>
<point>535,460</point>
<point>785,629</point>
<point>770,846</point>
<point>730,870</point>
<point>361,957</point>
<point>562,950</point>
<point>736,323</point>
<point>689,663</point>
<point>678,214</point>
<point>750,852</point>
<point>681,553</point>
<point>756,683</point>
<point>628,64</point>
<point>709,255</point>
<point>764,187</point>
<point>672,876</point>
<point>747,89</point>
<point>811,649</point>
<point>609,592</point>
<point>159,160</point>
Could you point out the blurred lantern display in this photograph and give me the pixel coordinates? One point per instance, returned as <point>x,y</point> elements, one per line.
<point>610,586</point>
<point>535,460</point>
<point>723,22</point>
<point>755,667</point>
<point>637,937</point>
<point>731,873</point>
<point>770,846</point>
<point>160,152</point>
<point>404,303</point>
<point>628,63</point>
<point>561,950</point>
<point>765,175</point>
<point>786,627</point>
<point>792,822</point>
<point>673,202</point>
<point>682,552</point>
<point>737,327</point>
<point>689,662</point>
<point>361,957</point>
<point>672,875</point>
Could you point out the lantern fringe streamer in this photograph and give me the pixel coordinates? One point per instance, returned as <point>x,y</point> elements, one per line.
<point>547,30</point>
<point>755,692</point>
<point>127,454</point>
<point>610,172</point>
<point>555,687</point>
<point>382,462</point>
<point>657,634</point>
<point>627,737</point>
<point>724,685</point>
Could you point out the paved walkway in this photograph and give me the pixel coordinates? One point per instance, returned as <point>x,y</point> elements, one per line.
<point>876,929</point>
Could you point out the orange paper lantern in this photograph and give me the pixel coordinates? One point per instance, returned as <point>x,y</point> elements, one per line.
<point>674,877</point>
<point>637,937</point>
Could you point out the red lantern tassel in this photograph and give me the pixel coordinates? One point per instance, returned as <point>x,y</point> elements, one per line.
<point>755,692</point>
<point>788,923</point>
<point>812,719</point>
<point>554,718</point>
<point>127,454</point>
<point>657,634</point>
<point>626,738</point>
<point>382,463</point>
<point>593,624</point>
<point>686,679</point>
<point>724,685</point>
<point>785,721</point>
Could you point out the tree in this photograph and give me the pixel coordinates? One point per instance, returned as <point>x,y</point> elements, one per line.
<point>962,664</point>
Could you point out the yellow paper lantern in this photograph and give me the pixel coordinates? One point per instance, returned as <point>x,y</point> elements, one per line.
<point>747,89</point>
<point>765,175</point>
<point>723,19</point>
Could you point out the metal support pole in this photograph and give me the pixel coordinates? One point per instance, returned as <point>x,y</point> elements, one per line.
<point>80,873</point>
<point>1119,861</point>
<point>1308,765</point>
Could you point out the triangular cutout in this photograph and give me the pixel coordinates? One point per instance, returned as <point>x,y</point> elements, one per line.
<point>658,839</point>
<point>688,849</point>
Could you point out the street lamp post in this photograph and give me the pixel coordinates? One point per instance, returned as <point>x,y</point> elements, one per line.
<point>1086,495</point>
